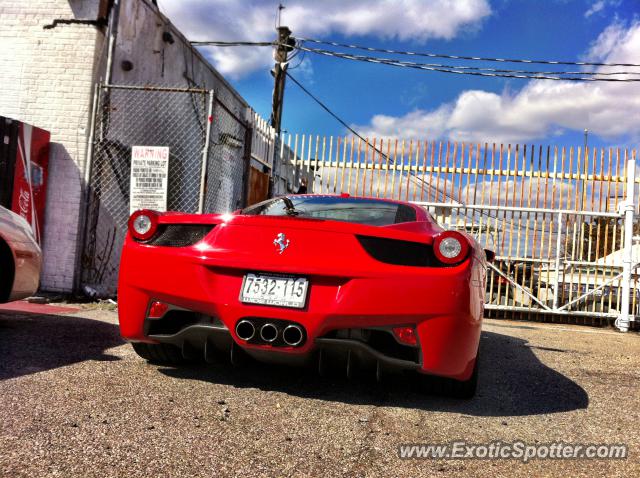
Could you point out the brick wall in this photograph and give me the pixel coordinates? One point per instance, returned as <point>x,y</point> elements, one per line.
<point>46,79</point>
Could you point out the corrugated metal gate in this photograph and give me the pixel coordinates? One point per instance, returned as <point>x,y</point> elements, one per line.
<point>562,221</point>
<point>209,150</point>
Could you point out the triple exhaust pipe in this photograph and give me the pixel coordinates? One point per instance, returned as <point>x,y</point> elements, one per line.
<point>269,332</point>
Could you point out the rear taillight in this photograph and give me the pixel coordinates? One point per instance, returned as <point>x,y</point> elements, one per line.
<point>406,335</point>
<point>450,247</point>
<point>157,310</point>
<point>143,224</point>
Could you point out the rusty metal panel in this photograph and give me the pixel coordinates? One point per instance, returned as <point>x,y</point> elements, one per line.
<point>258,186</point>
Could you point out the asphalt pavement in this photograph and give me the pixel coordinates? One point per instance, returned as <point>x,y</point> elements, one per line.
<point>75,400</point>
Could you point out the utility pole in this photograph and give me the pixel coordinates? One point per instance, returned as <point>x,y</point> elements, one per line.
<point>279,75</point>
<point>586,138</point>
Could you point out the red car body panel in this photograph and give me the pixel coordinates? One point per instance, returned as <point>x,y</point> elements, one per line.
<point>347,287</point>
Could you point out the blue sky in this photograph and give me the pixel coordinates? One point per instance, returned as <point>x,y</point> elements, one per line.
<point>389,101</point>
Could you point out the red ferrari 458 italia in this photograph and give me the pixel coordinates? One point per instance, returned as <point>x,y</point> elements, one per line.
<point>332,280</point>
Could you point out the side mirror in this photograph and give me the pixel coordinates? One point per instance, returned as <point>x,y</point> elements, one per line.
<point>490,255</point>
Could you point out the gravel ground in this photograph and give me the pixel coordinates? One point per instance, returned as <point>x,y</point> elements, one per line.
<point>76,401</point>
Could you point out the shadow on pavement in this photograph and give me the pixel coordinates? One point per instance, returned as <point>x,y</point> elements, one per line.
<point>513,382</point>
<point>31,343</point>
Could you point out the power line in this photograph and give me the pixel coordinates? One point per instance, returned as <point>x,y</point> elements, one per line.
<point>426,183</point>
<point>585,76</point>
<point>342,122</point>
<point>461,57</point>
<point>217,43</point>
<point>432,55</point>
<point>588,76</point>
<point>302,58</point>
<point>459,71</point>
<point>464,67</point>
<point>335,116</point>
<point>233,43</point>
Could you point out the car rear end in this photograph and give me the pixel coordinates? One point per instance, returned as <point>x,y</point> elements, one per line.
<point>360,294</point>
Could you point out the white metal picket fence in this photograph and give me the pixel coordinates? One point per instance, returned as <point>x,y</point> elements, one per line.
<point>562,221</point>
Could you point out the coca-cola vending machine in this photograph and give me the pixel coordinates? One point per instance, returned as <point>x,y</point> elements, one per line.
<point>24,159</point>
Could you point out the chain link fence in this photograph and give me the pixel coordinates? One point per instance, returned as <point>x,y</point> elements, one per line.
<point>228,155</point>
<point>200,131</point>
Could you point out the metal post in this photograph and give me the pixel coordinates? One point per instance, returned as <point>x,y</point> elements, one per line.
<point>626,209</point>
<point>88,165</point>
<point>556,286</point>
<point>113,34</point>
<point>205,152</point>
<point>85,191</point>
<point>246,174</point>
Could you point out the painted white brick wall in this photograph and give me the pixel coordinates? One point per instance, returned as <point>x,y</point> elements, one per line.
<point>46,79</point>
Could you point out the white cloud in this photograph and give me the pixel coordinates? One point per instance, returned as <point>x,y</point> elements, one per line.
<point>540,108</point>
<point>254,21</point>
<point>304,70</point>
<point>416,124</point>
<point>595,8</point>
<point>599,5</point>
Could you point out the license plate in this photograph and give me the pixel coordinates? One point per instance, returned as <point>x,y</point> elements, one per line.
<point>274,290</point>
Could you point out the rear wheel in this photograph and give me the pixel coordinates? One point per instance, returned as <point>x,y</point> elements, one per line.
<point>450,387</point>
<point>8,269</point>
<point>166,354</point>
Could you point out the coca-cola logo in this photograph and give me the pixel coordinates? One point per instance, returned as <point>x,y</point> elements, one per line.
<point>23,202</point>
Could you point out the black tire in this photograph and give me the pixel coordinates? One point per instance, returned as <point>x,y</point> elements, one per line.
<point>449,387</point>
<point>8,270</point>
<point>164,354</point>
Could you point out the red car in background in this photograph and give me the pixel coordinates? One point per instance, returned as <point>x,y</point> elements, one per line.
<point>332,279</point>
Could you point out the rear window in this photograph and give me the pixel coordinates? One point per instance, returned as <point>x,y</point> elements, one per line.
<point>361,211</point>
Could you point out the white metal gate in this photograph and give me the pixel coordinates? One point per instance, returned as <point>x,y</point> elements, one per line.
<point>562,221</point>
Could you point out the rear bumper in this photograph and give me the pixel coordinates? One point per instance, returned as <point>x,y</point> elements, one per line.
<point>210,341</point>
<point>445,306</point>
